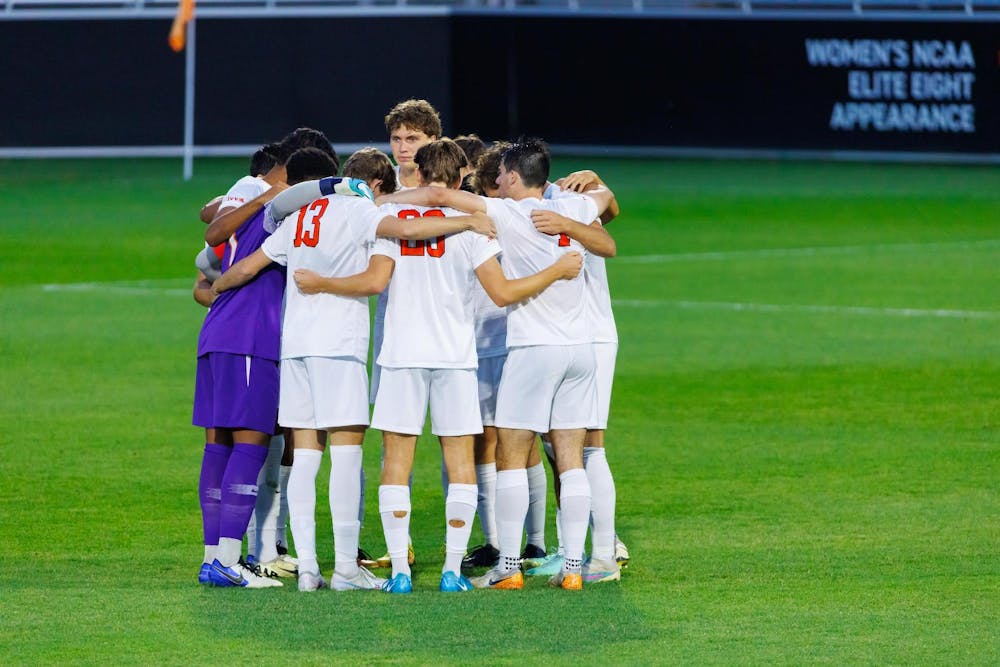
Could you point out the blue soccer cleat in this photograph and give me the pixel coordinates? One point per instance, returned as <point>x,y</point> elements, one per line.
<point>454,583</point>
<point>552,565</point>
<point>399,584</point>
<point>238,576</point>
<point>203,574</point>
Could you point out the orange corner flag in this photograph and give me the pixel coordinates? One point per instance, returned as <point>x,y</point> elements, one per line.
<point>185,12</point>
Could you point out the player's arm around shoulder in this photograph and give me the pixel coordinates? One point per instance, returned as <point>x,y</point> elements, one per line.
<point>505,292</point>
<point>416,229</point>
<point>437,196</point>
<point>589,183</point>
<point>593,237</point>
<point>202,292</point>
<point>372,280</point>
<point>228,220</point>
<point>242,272</point>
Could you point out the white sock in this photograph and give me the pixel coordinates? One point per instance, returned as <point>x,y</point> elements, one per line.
<point>486,480</point>
<point>228,551</point>
<point>395,498</point>
<point>511,508</point>
<point>574,500</point>
<point>459,507</point>
<point>210,550</point>
<point>302,506</point>
<point>562,550</point>
<point>266,507</point>
<point>345,482</point>
<point>534,523</point>
<point>602,503</point>
<point>361,496</point>
<point>282,537</point>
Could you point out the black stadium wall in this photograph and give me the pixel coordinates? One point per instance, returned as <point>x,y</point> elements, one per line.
<point>590,80</point>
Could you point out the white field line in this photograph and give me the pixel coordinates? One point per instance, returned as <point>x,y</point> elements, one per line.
<point>810,309</point>
<point>131,288</point>
<point>767,253</point>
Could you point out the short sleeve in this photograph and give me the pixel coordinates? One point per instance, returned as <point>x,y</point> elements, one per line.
<point>498,210</point>
<point>243,191</point>
<point>363,220</point>
<point>482,248</point>
<point>387,247</point>
<point>276,245</point>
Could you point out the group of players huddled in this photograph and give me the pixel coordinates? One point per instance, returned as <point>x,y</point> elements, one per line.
<point>493,309</point>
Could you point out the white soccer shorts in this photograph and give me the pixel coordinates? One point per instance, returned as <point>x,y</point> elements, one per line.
<point>489,373</point>
<point>403,395</point>
<point>323,393</point>
<point>548,387</point>
<point>604,355</point>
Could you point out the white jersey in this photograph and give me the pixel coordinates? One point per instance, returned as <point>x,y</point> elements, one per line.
<point>598,294</point>
<point>557,316</point>
<point>245,189</point>
<point>429,320</point>
<point>331,236</point>
<point>491,325</point>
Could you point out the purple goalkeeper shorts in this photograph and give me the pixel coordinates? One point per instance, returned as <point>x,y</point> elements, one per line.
<point>236,391</point>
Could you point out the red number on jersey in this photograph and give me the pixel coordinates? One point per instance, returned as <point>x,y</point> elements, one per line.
<point>433,248</point>
<point>563,240</point>
<point>310,238</point>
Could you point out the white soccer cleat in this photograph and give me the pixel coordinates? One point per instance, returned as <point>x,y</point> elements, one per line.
<point>282,566</point>
<point>311,581</point>
<point>364,580</point>
<point>597,570</point>
<point>254,579</point>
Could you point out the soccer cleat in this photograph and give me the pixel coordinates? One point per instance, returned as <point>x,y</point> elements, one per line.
<point>452,582</point>
<point>311,581</point>
<point>282,566</point>
<point>532,556</point>
<point>485,555</point>
<point>365,559</point>
<point>203,574</point>
<point>568,581</point>
<point>386,560</point>
<point>551,565</point>
<point>507,580</point>
<point>597,570</point>
<point>364,580</point>
<point>401,583</point>
<point>621,553</point>
<point>238,576</point>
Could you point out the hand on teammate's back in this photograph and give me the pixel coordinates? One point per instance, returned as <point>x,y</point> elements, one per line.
<point>570,265</point>
<point>307,281</point>
<point>550,222</point>
<point>482,224</point>
<point>578,181</point>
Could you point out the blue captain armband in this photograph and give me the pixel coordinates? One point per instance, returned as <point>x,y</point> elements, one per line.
<point>351,187</point>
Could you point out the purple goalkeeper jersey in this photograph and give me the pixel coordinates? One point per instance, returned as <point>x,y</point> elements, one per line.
<point>247,320</point>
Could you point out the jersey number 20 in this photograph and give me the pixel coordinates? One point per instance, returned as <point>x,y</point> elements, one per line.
<point>433,248</point>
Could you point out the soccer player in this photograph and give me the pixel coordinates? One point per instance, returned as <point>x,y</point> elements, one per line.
<point>236,389</point>
<point>548,380</point>
<point>602,565</point>
<point>411,124</point>
<point>428,356</point>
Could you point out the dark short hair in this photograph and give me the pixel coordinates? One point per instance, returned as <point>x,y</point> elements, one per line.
<point>370,163</point>
<point>441,161</point>
<point>488,167</point>
<point>306,137</point>
<point>530,158</point>
<point>309,164</point>
<point>472,146</point>
<point>264,159</point>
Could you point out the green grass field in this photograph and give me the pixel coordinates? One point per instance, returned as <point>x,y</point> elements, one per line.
<point>805,433</point>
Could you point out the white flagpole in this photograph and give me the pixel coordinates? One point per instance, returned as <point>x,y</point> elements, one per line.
<point>189,103</point>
